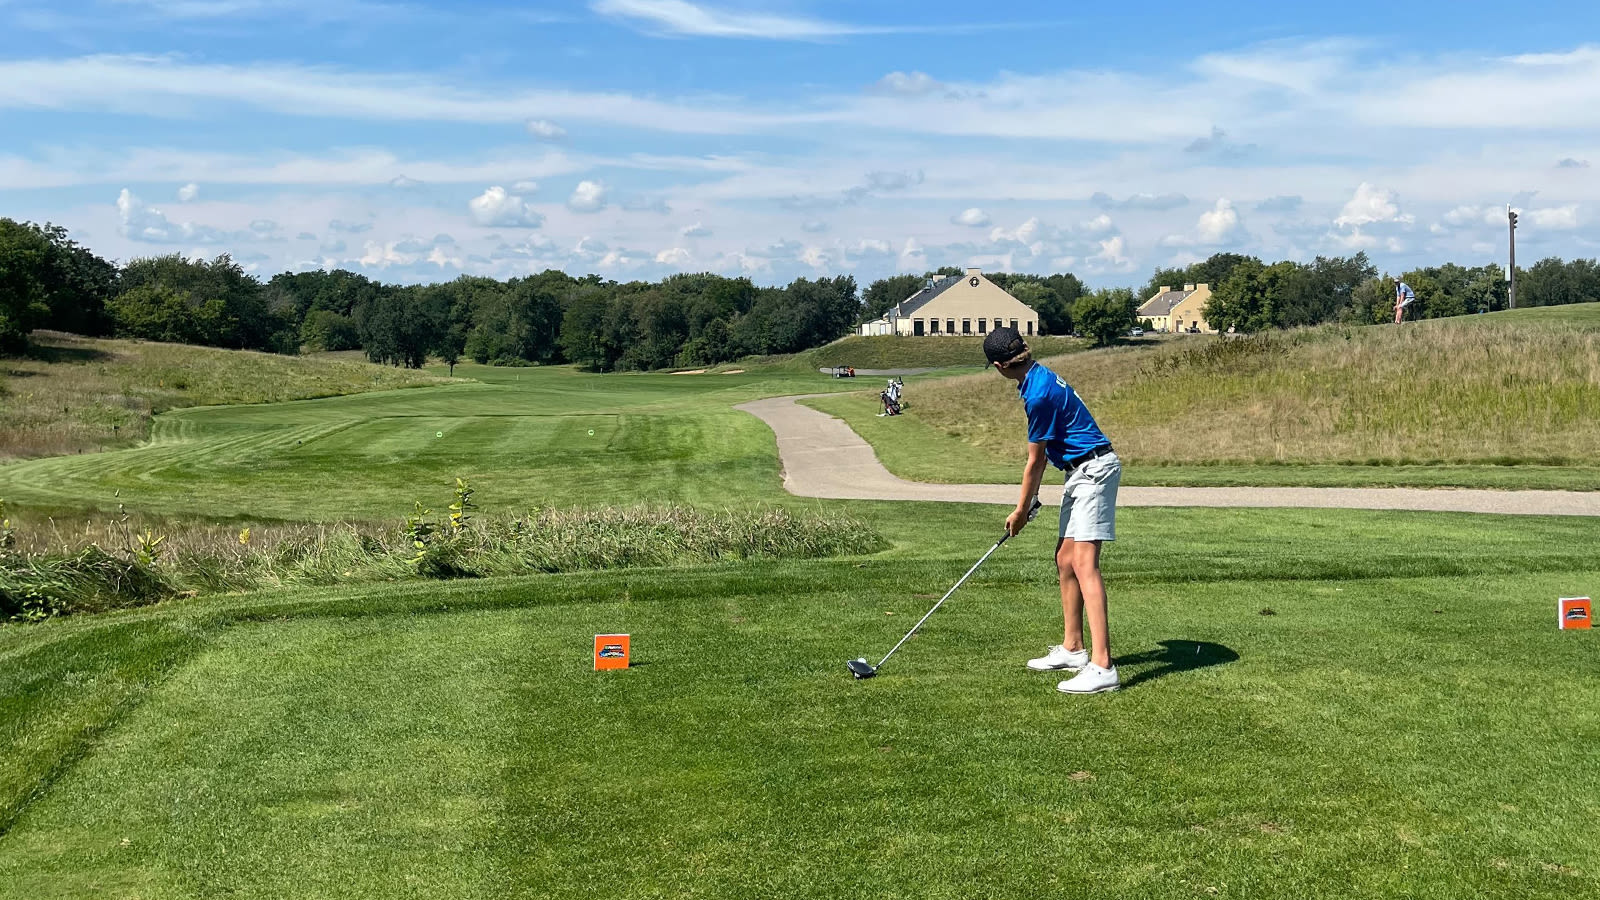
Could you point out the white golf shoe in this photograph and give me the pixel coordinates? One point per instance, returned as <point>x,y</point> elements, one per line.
<point>1091,679</point>
<point>1060,658</point>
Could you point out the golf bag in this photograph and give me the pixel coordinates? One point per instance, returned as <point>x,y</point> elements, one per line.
<point>891,396</point>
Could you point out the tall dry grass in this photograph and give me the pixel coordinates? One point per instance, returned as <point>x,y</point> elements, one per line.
<point>78,395</point>
<point>1436,392</point>
<point>51,567</point>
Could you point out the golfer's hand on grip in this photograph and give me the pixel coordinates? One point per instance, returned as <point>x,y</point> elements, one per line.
<point>1021,517</point>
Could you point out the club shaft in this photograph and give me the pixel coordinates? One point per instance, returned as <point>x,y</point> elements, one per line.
<point>942,600</point>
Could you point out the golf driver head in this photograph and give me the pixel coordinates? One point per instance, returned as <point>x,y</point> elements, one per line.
<point>860,668</point>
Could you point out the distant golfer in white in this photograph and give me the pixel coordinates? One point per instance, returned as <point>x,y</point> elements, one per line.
<point>1061,432</point>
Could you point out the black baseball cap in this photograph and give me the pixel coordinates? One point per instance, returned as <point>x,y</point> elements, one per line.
<point>1003,343</point>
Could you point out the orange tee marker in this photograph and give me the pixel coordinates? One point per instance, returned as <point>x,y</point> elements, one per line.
<point>1574,612</point>
<point>610,651</point>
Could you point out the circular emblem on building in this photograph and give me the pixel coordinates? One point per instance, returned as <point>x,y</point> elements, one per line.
<point>973,281</point>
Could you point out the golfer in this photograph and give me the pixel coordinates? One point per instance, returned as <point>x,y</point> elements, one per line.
<point>1061,432</point>
<point>1404,296</point>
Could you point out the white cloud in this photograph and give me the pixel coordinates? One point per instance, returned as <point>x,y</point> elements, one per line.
<point>1370,204</point>
<point>1309,93</point>
<point>1111,257</point>
<point>441,252</point>
<point>676,256</point>
<point>681,17</point>
<point>545,131</point>
<point>496,207</point>
<point>525,187</point>
<point>188,192</point>
<point>1098,225</point>
<point>912,256</point>
<point>587,197</point>
<point>695,231</point>
<point>972,218</point>
<point>402,182</point>
<point>908,83</point>
<point>1558,217</point>
<point>146,224</point>
<point>349,227</point>
<point>1217,224</point>
<point>1141,201</point>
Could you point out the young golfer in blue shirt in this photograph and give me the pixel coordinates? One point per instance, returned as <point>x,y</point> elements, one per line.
<point>1061,432</point>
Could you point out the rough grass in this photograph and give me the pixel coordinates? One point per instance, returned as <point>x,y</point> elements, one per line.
<point>891,352</point>
<point>58,568</point>
<point>80,395</point>
<point>1485,390</point>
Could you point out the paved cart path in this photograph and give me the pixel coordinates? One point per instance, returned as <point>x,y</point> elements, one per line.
<point>824,457</point>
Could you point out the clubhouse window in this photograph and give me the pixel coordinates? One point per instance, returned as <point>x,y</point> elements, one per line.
<point>950,325</point>
<point>983,326</point>
<point>916,327</point>
<point>1013,323</point>
<point>935,324</point>
<point>966,326</point>
<point>1030,326</point>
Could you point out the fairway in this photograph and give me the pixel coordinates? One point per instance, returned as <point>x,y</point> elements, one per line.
<point>526,437</point>
<point>1316,703</point>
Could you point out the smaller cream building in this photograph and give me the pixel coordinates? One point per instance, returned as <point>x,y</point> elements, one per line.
<point>955,305</point>
<point>1179,310</point>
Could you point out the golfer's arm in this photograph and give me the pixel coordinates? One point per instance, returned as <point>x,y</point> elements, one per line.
<point>1032,474</point>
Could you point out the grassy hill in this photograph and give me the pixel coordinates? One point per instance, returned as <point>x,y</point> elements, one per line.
<point>75,395</point>
<point>886,352</point>
<point>1518,388</point>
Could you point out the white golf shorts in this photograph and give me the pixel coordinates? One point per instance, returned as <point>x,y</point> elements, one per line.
<point>1089,504</point>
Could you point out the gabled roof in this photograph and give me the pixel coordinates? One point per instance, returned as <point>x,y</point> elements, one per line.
<point>1163,303</point>
<point>920,299</point>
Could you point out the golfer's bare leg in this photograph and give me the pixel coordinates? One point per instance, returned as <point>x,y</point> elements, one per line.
<point>1071,596</point>
<point>1092,588</point>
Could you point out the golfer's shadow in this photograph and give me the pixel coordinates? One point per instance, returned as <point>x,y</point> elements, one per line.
<point>1174,657</point>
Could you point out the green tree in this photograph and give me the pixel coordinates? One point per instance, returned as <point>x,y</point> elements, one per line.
<point>1245,300</point>
<point>24,257</point>
<point>325,329</point>
<point>886,292</point>
<point>1105,314</point>
<point>156,311</point>
<point>246,321</point>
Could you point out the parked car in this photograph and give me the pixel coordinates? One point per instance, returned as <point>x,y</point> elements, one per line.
<point>1136,332</point>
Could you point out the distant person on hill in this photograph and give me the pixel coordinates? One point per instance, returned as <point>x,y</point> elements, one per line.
<point>1404,296</point>
<point>1062,432</point>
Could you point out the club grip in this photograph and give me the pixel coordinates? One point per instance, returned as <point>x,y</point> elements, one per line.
<point>1032,512</point>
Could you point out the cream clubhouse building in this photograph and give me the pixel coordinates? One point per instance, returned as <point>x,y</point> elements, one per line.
<point>955,305</point>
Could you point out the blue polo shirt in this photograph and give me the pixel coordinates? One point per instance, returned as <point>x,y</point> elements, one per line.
<point>1056,417</point>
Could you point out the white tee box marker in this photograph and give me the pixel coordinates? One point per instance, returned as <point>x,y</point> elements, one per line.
<point>1574,613</point>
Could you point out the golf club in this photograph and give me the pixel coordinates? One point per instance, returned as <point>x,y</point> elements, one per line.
<point>860,668</point>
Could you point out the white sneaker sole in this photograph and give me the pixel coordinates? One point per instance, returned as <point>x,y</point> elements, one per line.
<point>1064,667</point>
<point>1099,690</point>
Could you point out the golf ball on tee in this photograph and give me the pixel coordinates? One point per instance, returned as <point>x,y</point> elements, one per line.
<point>438,434</point>
<point>591,432</point>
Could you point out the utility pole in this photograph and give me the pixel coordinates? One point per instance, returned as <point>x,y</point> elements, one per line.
<point>1511,273</point>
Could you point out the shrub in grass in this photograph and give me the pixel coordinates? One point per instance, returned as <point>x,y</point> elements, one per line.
<point>66,570</point>
<point>90,580</point>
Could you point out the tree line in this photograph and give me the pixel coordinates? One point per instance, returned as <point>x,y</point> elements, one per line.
<point>47,280</point>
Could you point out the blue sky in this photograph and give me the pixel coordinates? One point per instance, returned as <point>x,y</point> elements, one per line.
<point>636,138</point>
